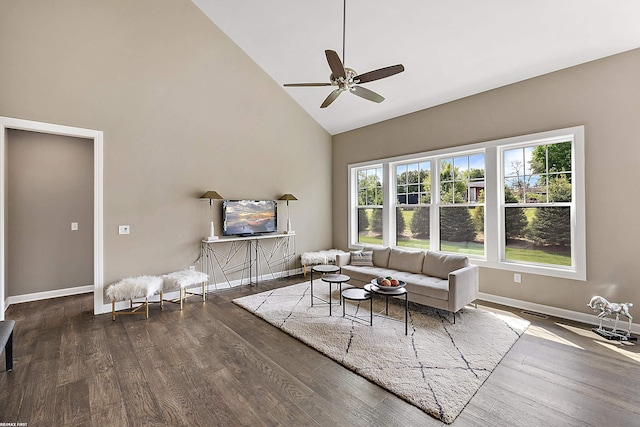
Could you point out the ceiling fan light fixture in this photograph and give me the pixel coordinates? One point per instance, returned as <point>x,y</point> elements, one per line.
<point>347,78</point>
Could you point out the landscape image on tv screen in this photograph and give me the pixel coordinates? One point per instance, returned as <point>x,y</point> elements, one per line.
<point>249,217</point>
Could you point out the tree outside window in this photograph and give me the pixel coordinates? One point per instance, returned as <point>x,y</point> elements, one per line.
<point>537,200</point>
<point>461,210</point>
<point>413,193</point>
<point>369,208</point>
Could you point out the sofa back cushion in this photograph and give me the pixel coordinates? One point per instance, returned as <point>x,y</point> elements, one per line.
<point>408,261</point>
<point>380,256</point>
<point>440,265</point>
<point>362,258</point>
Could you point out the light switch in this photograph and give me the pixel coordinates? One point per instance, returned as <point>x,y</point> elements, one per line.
<point>74,226</point>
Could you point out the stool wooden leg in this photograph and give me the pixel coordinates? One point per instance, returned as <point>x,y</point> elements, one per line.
<point>146,303</point>
<point>181,297</point>
<point>204,293</point>
<point>113,310</point>
<point>161,300</point>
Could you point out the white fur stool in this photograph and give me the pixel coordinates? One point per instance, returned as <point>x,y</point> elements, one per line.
<point>134,288</point>
<point>319,257</point>
<point>181,281</point>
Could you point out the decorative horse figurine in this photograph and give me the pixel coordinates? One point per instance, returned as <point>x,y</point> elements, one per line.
<point>607,308</point>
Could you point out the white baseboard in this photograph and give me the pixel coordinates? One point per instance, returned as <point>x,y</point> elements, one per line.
<point>590,319</point>
<point>37,296</point>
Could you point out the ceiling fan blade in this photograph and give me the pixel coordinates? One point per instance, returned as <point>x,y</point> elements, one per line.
<point>366,94</point>
<point>306,84</point>
<point>335,64</point>
<point>379,74</point>
<point>332,97</point>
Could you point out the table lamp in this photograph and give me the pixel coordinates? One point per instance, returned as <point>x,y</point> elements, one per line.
<point>288,197</point>
<point>211,195</point>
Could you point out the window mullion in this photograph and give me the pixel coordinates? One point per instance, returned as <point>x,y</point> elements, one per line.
<point>434,209</point>
<point>493,228</point>
<point>388,219</point>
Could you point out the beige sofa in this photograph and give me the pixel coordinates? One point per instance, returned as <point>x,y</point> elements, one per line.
<point>443,281</point>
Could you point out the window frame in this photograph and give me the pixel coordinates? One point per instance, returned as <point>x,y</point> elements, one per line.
<point>494,230</point>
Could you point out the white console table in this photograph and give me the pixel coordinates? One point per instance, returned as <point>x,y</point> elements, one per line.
<point>247,254</point>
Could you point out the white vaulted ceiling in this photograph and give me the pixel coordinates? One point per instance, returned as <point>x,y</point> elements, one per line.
<point>450,49</point>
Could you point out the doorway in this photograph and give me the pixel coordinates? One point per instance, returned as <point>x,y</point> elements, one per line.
<point>95,137</point>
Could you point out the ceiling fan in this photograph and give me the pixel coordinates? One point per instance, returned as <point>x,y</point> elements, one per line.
<point>346,79</point>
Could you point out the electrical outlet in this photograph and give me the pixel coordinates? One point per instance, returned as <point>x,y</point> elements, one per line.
<point>74,226</point>
<point>517,278</point>
<point>123,229</point>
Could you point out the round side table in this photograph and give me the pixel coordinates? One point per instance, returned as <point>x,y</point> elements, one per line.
<point>357,294</point>
<point>322,269</point>
<point>338,279</point>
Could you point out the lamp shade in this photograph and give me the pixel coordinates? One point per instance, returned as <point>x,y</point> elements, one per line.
<point>211,195</point>
<point>287,197</point>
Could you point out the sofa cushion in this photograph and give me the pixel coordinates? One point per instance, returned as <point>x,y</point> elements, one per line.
<point>362,258</point>
<point>440,265</point>
<point>366,274</point>
<point>380,255</point>
<point>408,261</point>
<point>432,287</point>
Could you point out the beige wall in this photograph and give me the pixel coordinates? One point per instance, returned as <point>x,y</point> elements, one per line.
<point>50,185</point>
<point>183,110</point>
<point>602,96</point>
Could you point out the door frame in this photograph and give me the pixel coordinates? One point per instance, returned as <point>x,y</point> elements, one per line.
<point>96,136</point>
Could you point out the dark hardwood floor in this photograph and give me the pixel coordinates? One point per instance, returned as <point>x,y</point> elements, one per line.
<point>215,364</point>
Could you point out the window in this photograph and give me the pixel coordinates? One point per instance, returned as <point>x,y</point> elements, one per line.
<point>515,203</point>
<point>461,207</point>
<point>369,205</point>
<point>538,203</point>
<point>413,194</point>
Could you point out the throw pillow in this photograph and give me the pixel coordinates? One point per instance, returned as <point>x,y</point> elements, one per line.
<point>380,255</point>
<point>362,259</point>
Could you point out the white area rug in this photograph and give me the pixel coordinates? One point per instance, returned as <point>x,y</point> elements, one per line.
<point>438,367</point>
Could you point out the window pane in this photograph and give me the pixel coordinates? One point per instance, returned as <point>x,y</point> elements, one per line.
<point>535,188</point>
<point>476,166</point>
<point>458,231</point>
<point>538,162</point>
<point>446,192</point>
<point>513,162</point>
<point>461,167</point>
<point>560,188</point>
<point>401,174</point>
<point>370,226</point>
<point>538,235</point>
<point>476,191</point>
<point>559,157</point>
<point>446,170</point>
<point>362,197</point>
<point>412,227</point>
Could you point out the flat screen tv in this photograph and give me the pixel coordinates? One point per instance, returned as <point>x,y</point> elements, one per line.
<point>248,217</point>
